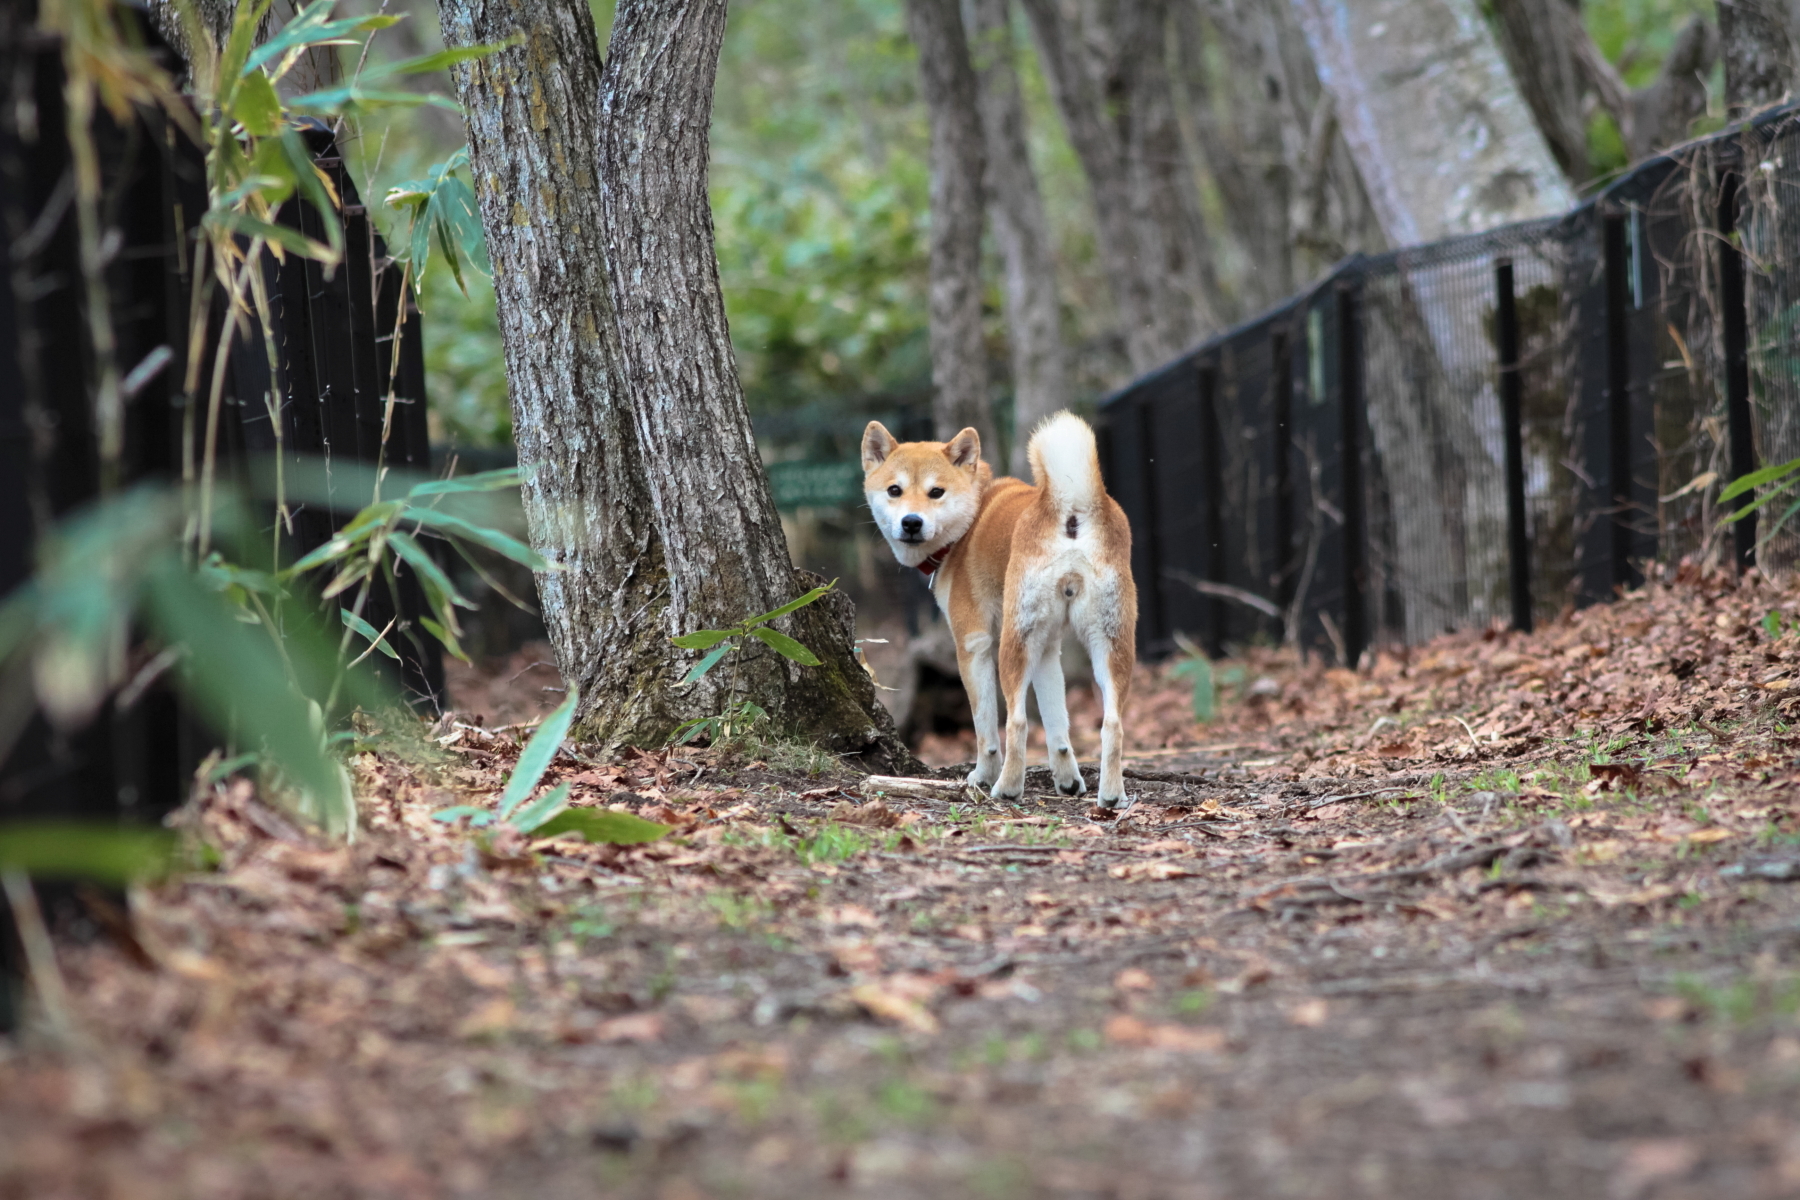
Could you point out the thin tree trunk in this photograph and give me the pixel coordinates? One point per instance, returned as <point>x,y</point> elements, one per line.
<point>1443,139</point>
<point>958,162</point>
<point>1021,230</point>
<point>1538,38</point>
<point>642,483</point>
<point>1111,83</point>
<point>1761,45</point>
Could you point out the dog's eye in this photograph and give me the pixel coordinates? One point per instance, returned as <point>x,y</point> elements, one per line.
<point>895,490</point>
<point>936,493</point>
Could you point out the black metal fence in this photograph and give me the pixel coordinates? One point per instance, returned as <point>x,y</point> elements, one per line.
<point>1488,428</point>
<point>334,332</point>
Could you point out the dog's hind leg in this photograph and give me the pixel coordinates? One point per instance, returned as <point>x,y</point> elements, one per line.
<point>1021,660</point>
<point>1047,684</point>
<point>1113,659</point>
<point>975,661</point>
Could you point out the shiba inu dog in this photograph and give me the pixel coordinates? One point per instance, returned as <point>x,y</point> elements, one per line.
<point>1013,565</point>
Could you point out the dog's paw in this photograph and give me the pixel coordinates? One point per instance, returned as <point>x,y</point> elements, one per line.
<point>1072,787</point>
<point>1118,803</point>
<point>983,775</point>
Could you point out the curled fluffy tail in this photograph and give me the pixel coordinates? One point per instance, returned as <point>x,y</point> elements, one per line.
<point>1065,462</point>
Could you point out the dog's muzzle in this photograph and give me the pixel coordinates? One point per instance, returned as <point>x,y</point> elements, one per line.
<point>912,528</point>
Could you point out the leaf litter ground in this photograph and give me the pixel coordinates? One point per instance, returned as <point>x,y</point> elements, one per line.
<point>1502,916</point>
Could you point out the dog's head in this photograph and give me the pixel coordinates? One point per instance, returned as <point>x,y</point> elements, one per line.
<point>924,494</point>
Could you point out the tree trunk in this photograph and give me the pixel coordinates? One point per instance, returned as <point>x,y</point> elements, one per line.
<point>1538,38</point>
<point>1110,79</point>
<point>1443,139</point>
<point>1021,230</point>
<point>958,161</point>
<point>1760,40</point>
<point>642,482</point>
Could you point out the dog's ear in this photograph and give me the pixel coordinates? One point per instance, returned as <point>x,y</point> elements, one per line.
<point>878,443</point>
<point>964,450</point>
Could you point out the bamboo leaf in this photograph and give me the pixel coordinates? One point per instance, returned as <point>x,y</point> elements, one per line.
<point>702,640</point>
<point>373,635</point>
<point>706,664</point>
<point>542,809</point>
<point>257,107</point>
<point>105,854</point>
<point>443,635</point>
<point>785,646</point>
<point>485,481</point>
<point>430,574</point>
<point>1755,479</point>
<point>792,605</point>
<point>603,826</point>
<point>493,539</point>
<point>535,759</point>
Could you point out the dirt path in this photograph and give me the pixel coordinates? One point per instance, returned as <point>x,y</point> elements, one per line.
<point>1524,939</point>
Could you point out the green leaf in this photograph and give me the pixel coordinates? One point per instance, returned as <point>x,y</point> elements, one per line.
<point>1769,495</point>
<point>493,539</point>
<point>445,58</point>
<point>603,826</point>
<point>535,759</point>
<point>791,605</point>
<point>542,809</point>
<point>291,240</point>
<point>477,816</point>
<point>309,27</point>
<point>372,634</point>
<point>352,98</point>
<point>445,636</point>
<point>483,481</point>
<point>702,640</point>
<point>706,664</point>
<point>785,646</point>
<point>430,574</point>
<point>106,854</point>
<point>1755,479</point>
<point>232,63</point>
<point>257,107</point>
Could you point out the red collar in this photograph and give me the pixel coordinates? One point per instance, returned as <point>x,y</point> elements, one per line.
<point>934,560</point>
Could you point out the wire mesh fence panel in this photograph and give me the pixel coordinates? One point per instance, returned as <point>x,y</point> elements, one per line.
<point>1491,426</point>
<point>1769,223</point>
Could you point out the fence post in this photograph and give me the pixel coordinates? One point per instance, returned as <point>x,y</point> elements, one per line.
<point>1736,322</point>
<point>1350,446</point>
<point>1518,543</point>
<point>1616,259</point>
<point>1212,490</point>
<point>1281,395</point>
<point>1153,609</point>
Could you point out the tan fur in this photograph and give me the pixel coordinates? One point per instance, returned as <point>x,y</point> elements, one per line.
<point>1014,580</point>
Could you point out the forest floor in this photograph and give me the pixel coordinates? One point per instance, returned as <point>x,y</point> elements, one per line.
<point>1507,916</point>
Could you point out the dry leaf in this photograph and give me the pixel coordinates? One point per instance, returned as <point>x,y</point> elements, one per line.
<point>1133,979</point>
<point>879,1001</point>
<point>1309,1013</point>
<point>1153,871</point>
<point>633,1027</point>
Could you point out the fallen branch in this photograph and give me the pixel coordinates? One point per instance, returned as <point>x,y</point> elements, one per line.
<point>1225,591</point>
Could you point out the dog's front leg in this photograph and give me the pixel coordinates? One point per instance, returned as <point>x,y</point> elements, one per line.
<point>975,660</point>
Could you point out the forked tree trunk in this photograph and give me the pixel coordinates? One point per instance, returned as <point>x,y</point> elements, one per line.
<point>1021,230</point>
<point>1106,64</point>
<point>642,480</point>
<point>958,160</point>
<point>1761,44</point>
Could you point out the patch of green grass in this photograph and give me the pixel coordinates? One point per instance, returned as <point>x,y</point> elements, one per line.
<point>905,1101</point>
<point>1193,1003</point>
<point>590,923</point>
<point>738,910</point>
<point>1084,1041</point>
<point>832,843</point>
<point>1743,1001</point>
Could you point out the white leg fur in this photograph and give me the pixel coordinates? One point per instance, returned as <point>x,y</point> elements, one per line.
<point>975,661</point>
<point>1047,684</point>
<point>1112,732</point>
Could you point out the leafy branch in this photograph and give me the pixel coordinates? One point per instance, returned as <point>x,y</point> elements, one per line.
<point>739,715</point>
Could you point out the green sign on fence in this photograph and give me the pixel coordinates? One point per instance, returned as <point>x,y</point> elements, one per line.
<point>815,484</point>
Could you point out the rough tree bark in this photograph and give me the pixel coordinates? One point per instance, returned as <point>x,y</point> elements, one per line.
<point>1558,66</point>
<point>1760,40</point>
<point>958,162</point>
<point>642,480</point>
<point>1443,139</point>
<point>1021,230</point>
<point>1267,135</point>
<point>1108,71</point>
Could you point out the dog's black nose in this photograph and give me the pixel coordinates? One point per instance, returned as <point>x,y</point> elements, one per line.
<point>911,525</point>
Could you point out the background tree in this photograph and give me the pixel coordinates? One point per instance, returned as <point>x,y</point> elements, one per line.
<point>1021,229</point>
<point>1761,45</point>
<point>643,484</point>
<point>958,162</point>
